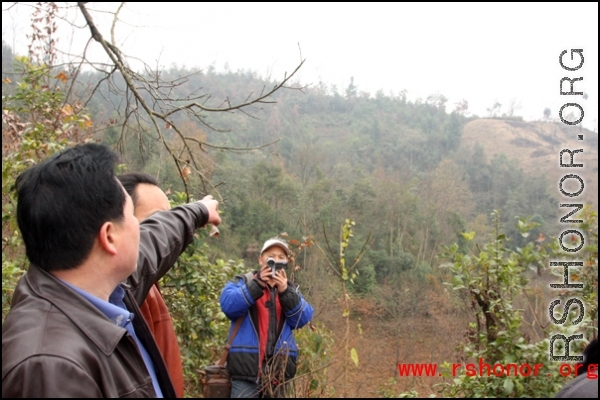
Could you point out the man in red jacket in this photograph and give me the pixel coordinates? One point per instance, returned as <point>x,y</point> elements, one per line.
<point>147,199</point>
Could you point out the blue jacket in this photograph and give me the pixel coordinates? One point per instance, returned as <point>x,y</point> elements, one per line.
<point>238,299</point>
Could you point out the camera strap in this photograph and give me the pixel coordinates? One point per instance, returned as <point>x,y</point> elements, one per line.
<point>236,328</point>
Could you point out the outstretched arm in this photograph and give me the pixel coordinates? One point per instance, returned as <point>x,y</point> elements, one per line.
<point>164,236</point>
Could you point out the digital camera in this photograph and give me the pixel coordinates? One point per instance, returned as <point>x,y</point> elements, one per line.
<point>275,265</point>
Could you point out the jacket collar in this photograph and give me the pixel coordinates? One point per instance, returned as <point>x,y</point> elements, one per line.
<point>92,322</point>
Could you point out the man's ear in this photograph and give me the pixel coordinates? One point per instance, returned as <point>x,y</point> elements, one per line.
<point>106,238</point>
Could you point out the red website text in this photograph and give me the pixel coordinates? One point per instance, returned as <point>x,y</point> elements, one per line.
<point>499,370</point>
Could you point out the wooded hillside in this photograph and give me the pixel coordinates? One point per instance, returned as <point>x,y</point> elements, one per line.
<point>429,191</point>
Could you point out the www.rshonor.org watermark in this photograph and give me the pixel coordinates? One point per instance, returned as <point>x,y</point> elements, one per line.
<point>570,180</point>
<point>483,369</point>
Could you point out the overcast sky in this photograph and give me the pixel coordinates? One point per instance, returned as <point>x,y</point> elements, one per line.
<point>484,53</point>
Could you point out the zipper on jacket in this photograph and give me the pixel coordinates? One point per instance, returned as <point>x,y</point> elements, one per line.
<point>272,331</point>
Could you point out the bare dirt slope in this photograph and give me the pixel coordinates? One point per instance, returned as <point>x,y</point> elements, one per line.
<point>536,147</point>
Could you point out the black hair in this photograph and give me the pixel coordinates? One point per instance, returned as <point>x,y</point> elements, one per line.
<point>63,201</point>
<point>131,180</point>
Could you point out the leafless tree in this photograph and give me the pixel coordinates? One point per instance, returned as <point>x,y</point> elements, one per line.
<point>151,105</point>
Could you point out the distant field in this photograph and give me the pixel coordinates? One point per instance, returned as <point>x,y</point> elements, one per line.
<point>536,146</point>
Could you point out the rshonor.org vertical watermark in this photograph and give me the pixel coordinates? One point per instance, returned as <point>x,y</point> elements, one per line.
<point>571,185</point>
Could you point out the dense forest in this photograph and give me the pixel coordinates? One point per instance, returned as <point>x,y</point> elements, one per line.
<point>303,164</point>
<point>392,165</point>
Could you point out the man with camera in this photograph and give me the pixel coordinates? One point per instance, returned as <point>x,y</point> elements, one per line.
<point>266,308</point>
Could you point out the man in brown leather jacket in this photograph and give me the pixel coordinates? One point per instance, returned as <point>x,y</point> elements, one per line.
<point>148,199</point>
<point>74,328</point>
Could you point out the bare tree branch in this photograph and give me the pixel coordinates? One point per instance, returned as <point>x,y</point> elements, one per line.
<point>152,97</point>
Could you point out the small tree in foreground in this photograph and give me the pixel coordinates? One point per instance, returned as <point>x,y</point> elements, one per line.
<point>37,121</point>
<point>495,348</point>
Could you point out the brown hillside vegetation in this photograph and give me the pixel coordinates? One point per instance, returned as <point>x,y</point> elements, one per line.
<point>536,146</point>
<point>427,324</point>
